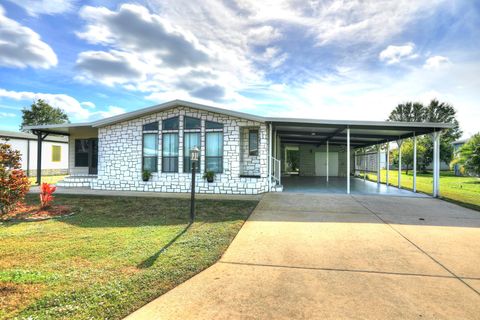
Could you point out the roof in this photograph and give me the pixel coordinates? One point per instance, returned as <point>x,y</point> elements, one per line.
<point>294,130</point>
<point>460,141</point>
<point>29,136</point>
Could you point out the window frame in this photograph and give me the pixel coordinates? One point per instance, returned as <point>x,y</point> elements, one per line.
<point>186,153</point>
<point>215,157</point>
<point>175,158</point>
<point>150,156</point>
<point>59,148</point>
<point>253,152</point>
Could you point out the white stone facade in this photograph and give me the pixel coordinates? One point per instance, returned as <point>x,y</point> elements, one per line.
<point>120,156</point>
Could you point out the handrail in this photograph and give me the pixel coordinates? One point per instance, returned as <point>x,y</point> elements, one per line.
<point>276,173</point>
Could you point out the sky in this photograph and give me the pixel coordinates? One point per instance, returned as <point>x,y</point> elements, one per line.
<point>350,60</point>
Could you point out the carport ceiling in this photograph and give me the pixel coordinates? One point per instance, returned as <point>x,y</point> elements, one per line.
<point>362,133</point>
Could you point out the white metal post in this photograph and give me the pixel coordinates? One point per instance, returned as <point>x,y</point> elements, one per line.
<point>348,160</point>
<point>414,163</point>
<point>436,164</point>
<point>399,143</point>
<point>364,165</point>
<point>270,157</point>
<point>327,160</point>
<point>387,165</point>
<point>378,165</point>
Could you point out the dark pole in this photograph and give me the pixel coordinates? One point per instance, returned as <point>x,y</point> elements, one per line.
<point>192,199</point>
<point>39,157</point>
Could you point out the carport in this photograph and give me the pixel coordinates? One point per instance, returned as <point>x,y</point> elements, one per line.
<point>326,149</point>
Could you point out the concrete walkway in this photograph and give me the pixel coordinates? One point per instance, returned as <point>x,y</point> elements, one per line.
<point>337,256</point>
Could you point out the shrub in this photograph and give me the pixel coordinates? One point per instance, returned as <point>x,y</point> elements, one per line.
<point>14,184</point>
<point>46,197</point>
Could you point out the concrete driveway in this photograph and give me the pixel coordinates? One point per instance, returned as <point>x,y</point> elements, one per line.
<point>336,256</point>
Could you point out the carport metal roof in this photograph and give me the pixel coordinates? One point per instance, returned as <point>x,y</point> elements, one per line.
<point>362,133</point>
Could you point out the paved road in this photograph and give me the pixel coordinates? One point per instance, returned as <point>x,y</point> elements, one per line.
<point>324,256</point>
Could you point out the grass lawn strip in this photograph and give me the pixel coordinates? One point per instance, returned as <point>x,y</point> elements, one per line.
<point>105,261</point>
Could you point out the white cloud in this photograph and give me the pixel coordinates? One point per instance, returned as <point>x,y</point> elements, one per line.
<point>436,62</point>
<point>7,115</point>
<point>77,111</point>
<point>21,47</point>
<point>36,7</point>
<point>263,35</point>
<point>394,54</point>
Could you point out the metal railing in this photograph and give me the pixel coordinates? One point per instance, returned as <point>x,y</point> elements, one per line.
<point>276,173</point>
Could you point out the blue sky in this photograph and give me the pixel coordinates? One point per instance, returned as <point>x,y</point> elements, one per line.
<point>316,59</point>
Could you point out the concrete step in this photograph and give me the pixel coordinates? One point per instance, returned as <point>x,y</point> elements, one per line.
<point>77,181</point>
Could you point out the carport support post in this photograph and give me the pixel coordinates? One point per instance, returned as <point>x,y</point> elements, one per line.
<point>348,160</point>
<point>364,165</point>
<point>436,164</point>
<point>414,163</point>
<point>399,143</point>
<point>40,138</point>
<point>378,165</point>
<point>270,160</point>
<point>387,164</point>
<point>327,160</point>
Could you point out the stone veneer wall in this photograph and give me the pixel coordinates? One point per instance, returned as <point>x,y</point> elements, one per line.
<point>120,157</point>
<point>249,165</point>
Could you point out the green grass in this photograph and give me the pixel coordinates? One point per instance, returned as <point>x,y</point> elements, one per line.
<point>462,190</point>
<point>106,261</point>
<point>48,179</point>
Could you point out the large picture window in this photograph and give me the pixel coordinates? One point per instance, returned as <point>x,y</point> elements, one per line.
<point>81,153</point>
<point>170,152</point>
<point>150,147</point>
<point>214,151</point>
<point>190,140</point>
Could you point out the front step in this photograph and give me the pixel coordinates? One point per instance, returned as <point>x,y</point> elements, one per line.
<point>277,188</point>
<point>77,181</point>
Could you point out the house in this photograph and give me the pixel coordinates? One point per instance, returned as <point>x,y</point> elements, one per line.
<point>250,154</point>
<point>54,158</point>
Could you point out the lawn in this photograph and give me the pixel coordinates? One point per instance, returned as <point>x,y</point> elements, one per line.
<point>461,190</point>
<point>49,179</point>
<point>109,258</point>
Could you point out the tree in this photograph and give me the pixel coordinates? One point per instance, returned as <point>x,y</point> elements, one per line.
<point>407,154</point>
<point>14,183</point>
<point>443,112</point>
<point>41,112</point>
<point>469,155</point>
<point>408,112</point>
<point>435,112</point>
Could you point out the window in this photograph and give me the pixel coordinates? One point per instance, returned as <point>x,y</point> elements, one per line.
<point>190,140</point>
<point>214,151</point>
<point>193,123</point>
<point>150,126</point>
<point>81,153</point>
<point>213,125</point>
<point>150,156</point>
<point>253,142</point>
<point>170,124</point>
<point>56,153</point>
<point>170,152</point>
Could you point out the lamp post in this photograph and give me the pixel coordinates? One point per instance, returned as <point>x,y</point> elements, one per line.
<point>194,159</point>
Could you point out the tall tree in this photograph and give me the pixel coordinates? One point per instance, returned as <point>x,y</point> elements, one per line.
<point>469,155</point>
<point>408,112</point>
<point>41,112</point>
<point>407,154</point>
<point>443,112</point>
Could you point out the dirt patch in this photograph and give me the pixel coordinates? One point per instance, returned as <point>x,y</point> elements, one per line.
<point>25,212</point>
<point>13,295</point>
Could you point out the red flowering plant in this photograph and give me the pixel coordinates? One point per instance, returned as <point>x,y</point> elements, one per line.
<point>46,197</point>
<point>14,184</point>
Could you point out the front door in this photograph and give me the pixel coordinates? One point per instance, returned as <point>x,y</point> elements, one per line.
<point>321,164</point>
<point>92,156</point>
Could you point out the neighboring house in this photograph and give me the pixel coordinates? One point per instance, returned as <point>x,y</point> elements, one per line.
<point>54,155</point>
<point>456,147</point>
<point>247,152</point>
